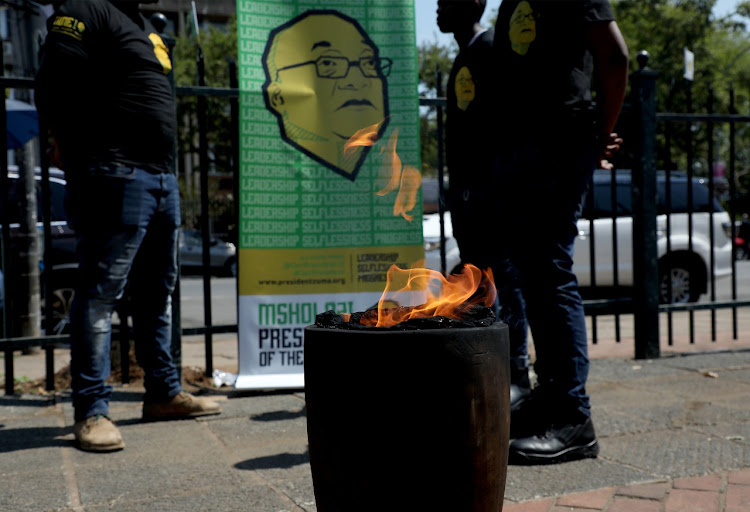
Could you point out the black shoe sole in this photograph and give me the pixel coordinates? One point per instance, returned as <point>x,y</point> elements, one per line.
<point>588,451</point>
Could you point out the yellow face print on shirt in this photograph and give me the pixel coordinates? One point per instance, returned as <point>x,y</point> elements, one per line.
<point>161,52</point>
<point>522,28</point>
<point>465,88</point>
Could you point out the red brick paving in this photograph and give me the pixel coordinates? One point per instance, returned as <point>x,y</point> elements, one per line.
<point>681,500</point>
<point>700,483</point>
<point>728,491</point>
<point>626,504</point>
<point>738,498</point>
<point>739,477</point>
<point>592,500</point>
<point>655,491</point>
<point>530,506</point>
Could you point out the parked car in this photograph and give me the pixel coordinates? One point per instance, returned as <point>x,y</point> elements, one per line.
<point>61,275</point>
<point>684,260</point>
<point>223,255</point>
<point>742,239</point>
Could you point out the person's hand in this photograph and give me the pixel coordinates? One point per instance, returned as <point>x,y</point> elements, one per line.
<point>609,144</point>
<point>53,151</point>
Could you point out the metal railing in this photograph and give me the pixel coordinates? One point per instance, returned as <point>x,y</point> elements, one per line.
<point>649,313</point>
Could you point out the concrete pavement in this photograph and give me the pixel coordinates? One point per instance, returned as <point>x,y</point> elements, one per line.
<point>674,434</point>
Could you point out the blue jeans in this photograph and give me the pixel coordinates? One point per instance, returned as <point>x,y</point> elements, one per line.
<point>125,219</point>
<point>511,310</point>
<point>541,190</point>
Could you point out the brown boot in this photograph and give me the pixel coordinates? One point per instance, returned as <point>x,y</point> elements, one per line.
<point>182,405</point>
<point>97,434</point>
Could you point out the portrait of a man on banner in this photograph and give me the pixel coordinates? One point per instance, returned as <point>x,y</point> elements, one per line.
<point>326,80</point>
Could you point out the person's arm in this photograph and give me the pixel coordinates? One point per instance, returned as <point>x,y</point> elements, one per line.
<point>606,44</point>
<point>66,82</point>
<point>60,93</point>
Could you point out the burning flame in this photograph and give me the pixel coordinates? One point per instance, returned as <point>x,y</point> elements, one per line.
<point>449,297</point>
<point>390,171</point>
<point>406,199</point>
<point>366,137</point>
<point>406,179</point>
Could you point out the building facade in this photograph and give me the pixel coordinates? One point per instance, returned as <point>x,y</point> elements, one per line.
<point>179,11</point>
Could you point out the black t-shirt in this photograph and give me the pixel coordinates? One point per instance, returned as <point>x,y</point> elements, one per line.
<point>468,131</point>
<point>543,69</point>
<point>103,88</point>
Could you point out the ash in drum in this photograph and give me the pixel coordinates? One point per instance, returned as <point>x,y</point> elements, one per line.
<point>472,316</point>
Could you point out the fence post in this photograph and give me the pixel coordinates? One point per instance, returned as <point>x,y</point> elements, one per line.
<point>645,263</point>
<point>441,169</point>
<point>5,239</point>
<point>202,103</point>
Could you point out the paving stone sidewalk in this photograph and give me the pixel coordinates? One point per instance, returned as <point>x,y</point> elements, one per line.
<point>674,434</point>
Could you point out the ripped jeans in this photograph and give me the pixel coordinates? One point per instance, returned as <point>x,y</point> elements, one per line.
<point>126,221</point>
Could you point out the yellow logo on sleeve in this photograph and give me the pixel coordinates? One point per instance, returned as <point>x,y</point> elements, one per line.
<point>69,26</point>
<point>161,51</point>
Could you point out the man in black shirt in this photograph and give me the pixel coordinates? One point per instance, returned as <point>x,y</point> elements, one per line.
<point>468,143</point>
<point>470,149</point>
<point>550,138</point>
<point>103,91</point>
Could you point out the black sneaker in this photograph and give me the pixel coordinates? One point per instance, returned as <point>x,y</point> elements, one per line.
<point>558,443</point>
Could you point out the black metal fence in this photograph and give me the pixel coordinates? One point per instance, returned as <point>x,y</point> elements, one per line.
<point>683,238</point>
<point>637,300</point>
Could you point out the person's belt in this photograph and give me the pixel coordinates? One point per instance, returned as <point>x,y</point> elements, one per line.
<point>116,166</point>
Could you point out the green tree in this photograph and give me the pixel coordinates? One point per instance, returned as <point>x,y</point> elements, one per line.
<point>218,46</point>
<point>721,47</point>
<point>434,60</point>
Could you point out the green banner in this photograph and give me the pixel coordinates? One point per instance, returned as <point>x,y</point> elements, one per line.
<point>330,193</point>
